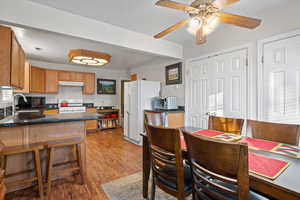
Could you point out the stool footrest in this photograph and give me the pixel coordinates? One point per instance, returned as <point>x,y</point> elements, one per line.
<point>63,171</point>
<point>23,181</point>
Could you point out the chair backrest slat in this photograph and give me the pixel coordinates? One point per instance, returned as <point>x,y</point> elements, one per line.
<point>228,125</point>
<point>214,175</point>
<point>224,162</point>
<point>283,133</point>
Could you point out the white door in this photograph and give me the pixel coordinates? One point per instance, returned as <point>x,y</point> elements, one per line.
<point>217,86</point>
<point>281,81</point>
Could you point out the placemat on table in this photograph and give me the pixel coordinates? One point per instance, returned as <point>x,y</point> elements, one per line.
<point>287,150</point>
<point>228,137</point>
<point>208,133</point>
<point>267,167</point>
<point>265,145</point>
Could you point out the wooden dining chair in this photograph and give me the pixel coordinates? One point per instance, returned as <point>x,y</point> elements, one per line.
<point>226,165</point>
<point>223,124</point>
<point>283,133</point>
<point>169,172</point>
<point>154,119</point>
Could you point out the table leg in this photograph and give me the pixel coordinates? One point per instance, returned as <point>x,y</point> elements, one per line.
<point>146,166</point>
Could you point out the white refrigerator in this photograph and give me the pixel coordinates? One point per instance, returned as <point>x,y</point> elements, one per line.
<point>137,98</point>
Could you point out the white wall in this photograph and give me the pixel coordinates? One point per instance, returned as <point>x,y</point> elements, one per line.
<point>156,72</point>
<point>76,92</point>
<point>274,21</point>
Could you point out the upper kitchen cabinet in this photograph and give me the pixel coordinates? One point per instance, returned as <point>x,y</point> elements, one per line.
<point>37,80</point>
<point>89,83</point>
<point>51,81</point>
<point>12,59</point>
<point>65,76</point>
<point>26,77</point>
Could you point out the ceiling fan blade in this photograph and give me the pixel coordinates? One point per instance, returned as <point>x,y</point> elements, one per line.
<point>200,37</point>
<point>172,28</point>
<point>176,5</point>
<point>237,20</point>
<point>223,3</point>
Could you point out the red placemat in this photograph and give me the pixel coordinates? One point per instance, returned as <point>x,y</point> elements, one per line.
<point>208,133</point>
<point>260,144</point>
<point>267,167</point>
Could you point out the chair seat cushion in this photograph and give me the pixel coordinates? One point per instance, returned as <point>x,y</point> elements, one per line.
<point>252,196</point>
<point>171,171</point>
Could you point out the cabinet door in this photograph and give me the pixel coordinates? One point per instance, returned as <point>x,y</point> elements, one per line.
<point>89,83</point>
<point>91,125</point>
<point>77,76</point>
<point>26,79</point>
<point>51,82</point>
<point>5,55</point>
<point>50,112</point>
<point>37,80</point>
<point>64,76</point>
<point>15,62</point>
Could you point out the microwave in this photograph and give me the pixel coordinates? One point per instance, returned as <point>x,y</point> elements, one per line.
<point>32,103</point>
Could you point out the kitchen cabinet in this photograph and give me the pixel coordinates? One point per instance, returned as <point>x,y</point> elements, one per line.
<point>77,76</point>
<point>64,76</point>
<point>89,83</point>
<point>51,112</point>
<point>91,125</point>
<point>12,59</point>
<point>37,80</point>
<point>26,79</point>
<point>51,81</point>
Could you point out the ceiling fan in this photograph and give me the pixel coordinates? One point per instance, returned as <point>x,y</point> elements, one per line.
<point>201,13</point>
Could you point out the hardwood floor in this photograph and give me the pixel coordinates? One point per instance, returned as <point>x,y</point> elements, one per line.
<point>109,157</point>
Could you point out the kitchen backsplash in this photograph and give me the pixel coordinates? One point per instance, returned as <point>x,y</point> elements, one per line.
<point>6,97</point>
<point>67,92</point>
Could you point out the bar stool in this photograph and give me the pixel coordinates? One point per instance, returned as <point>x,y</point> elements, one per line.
<point>35,150</point>
<point>73,142</point>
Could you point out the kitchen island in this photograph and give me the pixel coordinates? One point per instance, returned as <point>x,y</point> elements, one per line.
<point>29,129</point>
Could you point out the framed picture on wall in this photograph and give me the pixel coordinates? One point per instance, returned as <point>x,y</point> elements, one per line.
<point>106,86</point>
<point>174,74</point>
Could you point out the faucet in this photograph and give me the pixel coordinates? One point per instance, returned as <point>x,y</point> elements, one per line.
<point>13,105</point>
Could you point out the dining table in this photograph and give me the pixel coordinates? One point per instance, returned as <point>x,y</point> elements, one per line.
<point>285,187</point>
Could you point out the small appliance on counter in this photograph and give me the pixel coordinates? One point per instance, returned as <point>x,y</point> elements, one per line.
<point>167,103</point>
<point>170,103</point>
<point>71,106</point>
<point>156,103</point>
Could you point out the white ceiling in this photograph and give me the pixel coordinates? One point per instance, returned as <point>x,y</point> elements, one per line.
<point>55,48</point>
<point>144,17</point>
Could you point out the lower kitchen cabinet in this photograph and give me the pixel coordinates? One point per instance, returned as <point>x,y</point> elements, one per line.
<point>50,112</point>
<point>91,125</point>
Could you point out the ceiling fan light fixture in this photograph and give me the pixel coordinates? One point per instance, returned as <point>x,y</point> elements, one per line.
<point>90,58</point>
<point>196,22</point>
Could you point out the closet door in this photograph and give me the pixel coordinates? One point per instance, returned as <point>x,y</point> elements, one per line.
<point>217,86</point>
<point>281,80</point>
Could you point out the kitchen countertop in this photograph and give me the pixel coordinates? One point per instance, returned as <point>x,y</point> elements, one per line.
<point>30,119</point>
<point>165,110</point>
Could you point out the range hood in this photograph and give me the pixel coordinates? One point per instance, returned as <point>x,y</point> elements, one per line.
<point>71,83</point>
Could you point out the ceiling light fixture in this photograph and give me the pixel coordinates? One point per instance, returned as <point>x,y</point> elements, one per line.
<point>86,57</point>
